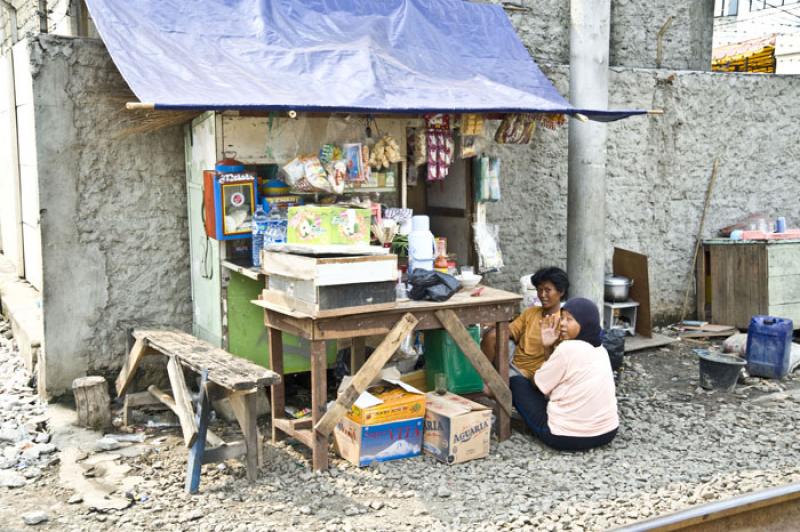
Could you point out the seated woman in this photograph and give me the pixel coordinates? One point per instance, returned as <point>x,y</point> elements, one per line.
<point>526,331</point>
<point>571,403</point>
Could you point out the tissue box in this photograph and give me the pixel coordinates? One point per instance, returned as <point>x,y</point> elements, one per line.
<point>313,224</point>
<point>361,445</point>
<point>456,429</point>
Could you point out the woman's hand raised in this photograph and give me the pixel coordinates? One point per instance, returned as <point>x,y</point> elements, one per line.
<point>550,329</point>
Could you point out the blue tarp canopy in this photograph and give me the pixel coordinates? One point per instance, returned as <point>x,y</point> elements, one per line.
<point>366,56</point>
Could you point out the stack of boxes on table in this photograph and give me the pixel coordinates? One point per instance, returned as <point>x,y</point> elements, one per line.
<point>394,420</point>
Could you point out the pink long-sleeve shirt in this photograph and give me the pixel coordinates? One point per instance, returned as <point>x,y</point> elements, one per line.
<point>580,384</point>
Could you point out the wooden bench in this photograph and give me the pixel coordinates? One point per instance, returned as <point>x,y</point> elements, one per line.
<point>222,375</point>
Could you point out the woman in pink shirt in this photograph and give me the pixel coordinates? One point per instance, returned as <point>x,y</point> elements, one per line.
<point>570,404</point>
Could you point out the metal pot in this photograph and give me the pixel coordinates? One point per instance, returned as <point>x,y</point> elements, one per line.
<point>616,288</point>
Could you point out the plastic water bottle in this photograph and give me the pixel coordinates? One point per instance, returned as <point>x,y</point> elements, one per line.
<point>420,244</point>
<point>259,228</point>
<point>277,224</point>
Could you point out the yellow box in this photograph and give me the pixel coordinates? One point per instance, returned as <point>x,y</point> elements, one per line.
<point>392,400</point>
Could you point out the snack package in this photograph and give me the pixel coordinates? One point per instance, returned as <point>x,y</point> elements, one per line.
<point>469,147</point>
<point>420,146</point>
<point>486,245</point>
<point>516,129</point>
<point>355,166</point>
<point>472,125</point>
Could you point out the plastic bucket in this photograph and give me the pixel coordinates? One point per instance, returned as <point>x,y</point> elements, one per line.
<point>719,371</point>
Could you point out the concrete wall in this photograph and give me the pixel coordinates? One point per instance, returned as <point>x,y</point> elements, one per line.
<point>658,171</point>
<point>544,28</point>
<point>115,238</point>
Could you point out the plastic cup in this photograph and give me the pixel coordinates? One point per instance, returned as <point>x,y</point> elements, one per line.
<point>441,383</point>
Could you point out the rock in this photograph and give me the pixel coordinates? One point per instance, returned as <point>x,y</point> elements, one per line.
<point>34,518</point>
<point>351,511</point>
<point>443,492</point>
<point>10,479</point>
<point>75,499</point>
<point>42,437</point>
<point>376,505</point>
<point>305,510</point>
<point>107,443</point>
<point>32,472</point>
<point>10,435</point>
<point>191,516</point>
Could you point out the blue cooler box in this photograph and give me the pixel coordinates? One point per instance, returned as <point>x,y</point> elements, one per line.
<point>769,346</point>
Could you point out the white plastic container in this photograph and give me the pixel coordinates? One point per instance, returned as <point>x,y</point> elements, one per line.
<point>420,244</point>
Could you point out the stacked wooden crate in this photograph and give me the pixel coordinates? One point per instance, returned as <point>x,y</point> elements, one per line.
<point>328,285</point>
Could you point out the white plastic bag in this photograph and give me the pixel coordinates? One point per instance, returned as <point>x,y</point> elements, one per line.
<point>487,246</point>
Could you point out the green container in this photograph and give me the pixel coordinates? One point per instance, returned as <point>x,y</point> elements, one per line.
<point>442,355</point>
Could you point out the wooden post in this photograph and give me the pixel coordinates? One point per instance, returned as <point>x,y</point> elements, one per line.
<point>277,391</point>
<point>92,402</point>
<point>319,398</point>
<point>183,401</point>
<point>129,369</point>
<point>357,354</point>
<point>501,364</point>
<point>245,407</point>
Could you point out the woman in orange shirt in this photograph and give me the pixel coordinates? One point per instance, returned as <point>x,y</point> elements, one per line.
<point>571,403</point>
<point>551,285</point>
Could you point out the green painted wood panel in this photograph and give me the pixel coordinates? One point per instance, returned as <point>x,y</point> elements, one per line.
<point>784,259</point>
<point>247,335</point>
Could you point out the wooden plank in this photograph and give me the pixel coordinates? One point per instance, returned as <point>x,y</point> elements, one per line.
<point>381,323</point>
<point>129,369</point>
<point>784,289</point>
<point>637,343</point>
<point>277,391</point>
<point>784,259</point>
<point>133,400</point>
<point>319,399</point>
<point>366,374</point>
<point>300,326</point>
<point>224,452</point>
<point>293,306</point>
<point>183,401</point>
<point>700,284</point>
<point>302,433</point>
<point>167,400</point>
<point>327,250</point>
<point>634,266</point>
<point>195,462</point>
<point>225,369</point>
<point>462,338</point>
<point>246,409</point>
<point>331,270</point>
<point>357,354</point>
<point>251,273</point>
<point>501,364</point>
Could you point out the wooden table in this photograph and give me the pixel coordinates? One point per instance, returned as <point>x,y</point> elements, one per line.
<point>491,307</point>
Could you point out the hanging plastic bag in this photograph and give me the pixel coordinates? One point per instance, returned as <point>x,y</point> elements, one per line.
<point>515,129</point>
<point>487,246</point>
<point>431,285</point>
<point>487,179</point>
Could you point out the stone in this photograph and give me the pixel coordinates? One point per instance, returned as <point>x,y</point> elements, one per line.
<point>376,505</point>
<point>305,510</point>
<point>443,492</point>
<point>42,437</point>
<point>75,499</point>
<point>32,472</point>
<point>11,479</point>
<point>107,443</point>
<point>34,518</point>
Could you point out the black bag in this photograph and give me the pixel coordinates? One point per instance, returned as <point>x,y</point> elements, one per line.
<point>432,285</point>
<point>614,342</point>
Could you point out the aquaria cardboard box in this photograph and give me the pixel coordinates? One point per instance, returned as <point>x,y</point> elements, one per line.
<point>456,429</point>
<point>361,445</point>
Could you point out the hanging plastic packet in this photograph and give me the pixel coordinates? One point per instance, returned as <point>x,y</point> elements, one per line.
<point>469,147</point>
<point>439,141</point>
<point>516,129</point>
<point>472,125</point>
<point>486,245</point>
<point>494,179</point>
<point>487,179</point>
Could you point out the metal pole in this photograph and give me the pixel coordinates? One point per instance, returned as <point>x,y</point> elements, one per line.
<point>586,204</point>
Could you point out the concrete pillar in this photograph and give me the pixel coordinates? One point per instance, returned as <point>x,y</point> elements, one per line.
<point>588,88</point>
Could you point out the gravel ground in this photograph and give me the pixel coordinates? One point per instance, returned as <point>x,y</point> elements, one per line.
<point>678,446</point>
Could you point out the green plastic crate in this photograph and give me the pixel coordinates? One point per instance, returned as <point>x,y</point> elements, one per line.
<point>442,355</point>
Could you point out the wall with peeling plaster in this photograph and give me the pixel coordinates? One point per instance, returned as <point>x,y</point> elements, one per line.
<point>113,213</point>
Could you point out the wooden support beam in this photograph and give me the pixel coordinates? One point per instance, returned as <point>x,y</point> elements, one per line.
<point>462,338</point>
<point>245,407</point>
<point>367,374</point>
<point>319,398</point>
<point>127,372</point>
<point>133,400</point>
<point>167,400</point>
<point>357,354</point>
<point>501,363</point>
<point>278,390</point>
<point>183,401</point>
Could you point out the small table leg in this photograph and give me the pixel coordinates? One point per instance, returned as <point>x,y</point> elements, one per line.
<point>501,363</point>
<point>319,399</point>
<point>193,467</point>
<point>357,354</point>
<point>245,406</point>
<point>277,391</point>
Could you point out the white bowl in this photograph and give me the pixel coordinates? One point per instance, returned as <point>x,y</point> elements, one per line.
<point>469,282</point>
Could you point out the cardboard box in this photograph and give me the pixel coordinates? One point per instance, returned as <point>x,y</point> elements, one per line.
<point>456,429</point>
<point>361,445</point>
<point>314,224</point>
<point>391,400</point>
